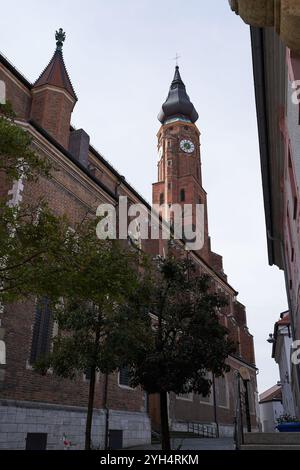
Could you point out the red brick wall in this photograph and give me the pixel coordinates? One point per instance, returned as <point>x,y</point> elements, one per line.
<point>17,94</point>
<point>52,110</point>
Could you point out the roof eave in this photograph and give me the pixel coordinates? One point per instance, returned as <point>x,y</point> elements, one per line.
<point>257,43</point>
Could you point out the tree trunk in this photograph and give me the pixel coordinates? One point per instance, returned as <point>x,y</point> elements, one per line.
<point>89,418</point>
<point>164,422</point>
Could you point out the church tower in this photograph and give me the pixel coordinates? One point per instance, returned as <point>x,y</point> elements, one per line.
<point>179,179</point>
<point>53,96</point>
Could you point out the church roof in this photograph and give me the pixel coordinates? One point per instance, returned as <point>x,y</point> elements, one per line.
<point>56,74</point>
<point>177,104</point>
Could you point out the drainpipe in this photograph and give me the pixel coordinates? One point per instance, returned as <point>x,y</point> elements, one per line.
<point>215,406</point>
<point>285,277</point>
<point>105,406</point>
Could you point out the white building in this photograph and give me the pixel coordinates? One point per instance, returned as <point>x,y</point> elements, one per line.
<point>270,406</point>
<point>282,348</point>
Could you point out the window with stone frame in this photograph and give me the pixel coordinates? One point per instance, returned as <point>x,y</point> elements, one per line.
<point>221,391</point>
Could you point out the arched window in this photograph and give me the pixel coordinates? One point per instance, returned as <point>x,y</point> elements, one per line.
<point>2,352</point>
<point>182,195</point>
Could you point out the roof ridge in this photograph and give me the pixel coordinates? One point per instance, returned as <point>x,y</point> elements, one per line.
<point>15,70</point>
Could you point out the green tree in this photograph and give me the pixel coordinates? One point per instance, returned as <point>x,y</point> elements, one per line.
<point>97,332</point>
<point>33,245</point>
<point>31,236</point>
<point>17,157</point>
<point>187,338</point>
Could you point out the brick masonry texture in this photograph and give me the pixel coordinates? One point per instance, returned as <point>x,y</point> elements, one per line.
<point>34,403</point>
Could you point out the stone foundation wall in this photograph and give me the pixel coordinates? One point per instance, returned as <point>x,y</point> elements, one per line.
<point>19,418</point>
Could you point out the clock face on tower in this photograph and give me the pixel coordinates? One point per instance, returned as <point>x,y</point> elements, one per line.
<point>187,146</point>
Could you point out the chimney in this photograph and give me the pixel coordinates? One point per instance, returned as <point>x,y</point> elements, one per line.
<point>79,146</point>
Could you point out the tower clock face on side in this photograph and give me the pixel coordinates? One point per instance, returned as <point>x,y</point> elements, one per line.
<point>187,146</point>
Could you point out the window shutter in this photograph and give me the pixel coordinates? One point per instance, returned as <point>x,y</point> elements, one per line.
<point>124,376</point>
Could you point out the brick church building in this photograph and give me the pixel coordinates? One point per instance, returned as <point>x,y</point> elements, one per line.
<point>37,411</point>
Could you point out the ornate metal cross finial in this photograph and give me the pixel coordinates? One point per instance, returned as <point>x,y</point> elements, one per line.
<point>60,37</point>
<point>176,58</point>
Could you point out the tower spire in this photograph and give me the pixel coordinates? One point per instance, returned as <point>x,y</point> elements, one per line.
<point>177,105</point>
<point>55,73</point>
<point>53,96</point>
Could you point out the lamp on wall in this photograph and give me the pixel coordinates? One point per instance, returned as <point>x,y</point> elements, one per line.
<point>271,339</point>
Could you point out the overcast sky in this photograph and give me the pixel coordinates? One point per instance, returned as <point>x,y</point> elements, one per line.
<point>119,57</point>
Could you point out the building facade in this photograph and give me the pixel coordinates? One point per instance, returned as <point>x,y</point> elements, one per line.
<point>38,411</point>
<point>270,405</point>
<point>281,352</point>
<point>276,64</point>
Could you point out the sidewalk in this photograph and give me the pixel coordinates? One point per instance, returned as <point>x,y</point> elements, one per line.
<point>225,443</point>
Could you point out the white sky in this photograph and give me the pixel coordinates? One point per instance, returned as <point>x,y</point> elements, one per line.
<point>119,57</point>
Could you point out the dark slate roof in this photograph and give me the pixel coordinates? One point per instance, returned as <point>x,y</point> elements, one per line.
<point>56,74</point>
<point>177,104</point>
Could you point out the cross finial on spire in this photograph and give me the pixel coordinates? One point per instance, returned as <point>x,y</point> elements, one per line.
<point>176,58</point>
<point>60,37</point>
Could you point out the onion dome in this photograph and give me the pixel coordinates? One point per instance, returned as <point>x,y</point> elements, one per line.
<point>177,105</point>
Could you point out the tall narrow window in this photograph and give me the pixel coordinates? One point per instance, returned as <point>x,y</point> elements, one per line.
<point>182,195</point>
<point>42,330</point>
<point>221,391</point>
<point>295,208</point>
<point>2,353</point>
<point>293,186</point>
<point>124,377</point>
<point>161,198</point>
